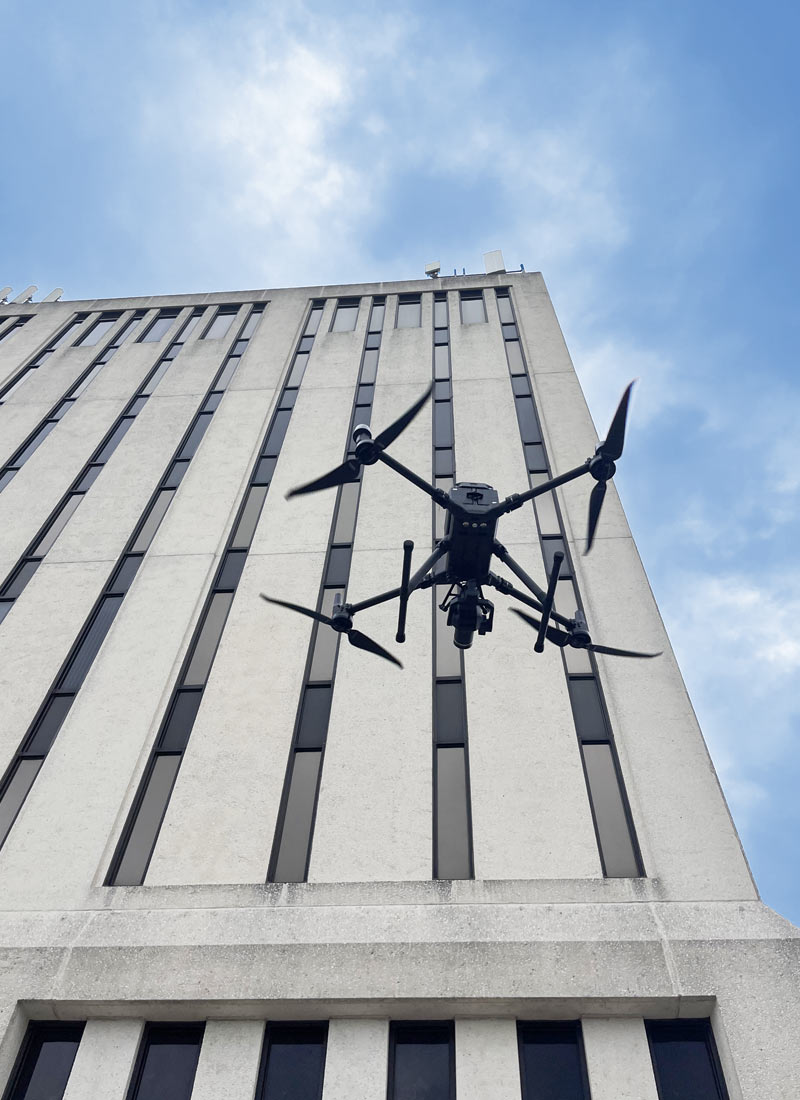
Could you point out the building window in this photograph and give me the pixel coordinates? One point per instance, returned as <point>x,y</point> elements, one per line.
<point>551,1061</point>
<point>221,323</point>
<point>45,1062</point>
<point>159,326</point>
<point>293,1062</point>
<point>473,311</point>
<point>346,315</point>
<point>421,1062</point>
<point>685,1060</point>
<point>409,311</point>
<point>14,325</point>
<point>167,1062</point>
<point>99,329</point>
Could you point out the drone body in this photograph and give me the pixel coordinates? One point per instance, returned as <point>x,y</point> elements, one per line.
<point>461,559</point>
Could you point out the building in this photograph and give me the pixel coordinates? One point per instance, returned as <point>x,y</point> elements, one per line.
<point>233,858</point>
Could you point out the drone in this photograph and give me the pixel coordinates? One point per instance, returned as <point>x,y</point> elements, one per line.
<point>461,559</point>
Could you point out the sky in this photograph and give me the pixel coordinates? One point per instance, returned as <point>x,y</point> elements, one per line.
<point>643,156</point>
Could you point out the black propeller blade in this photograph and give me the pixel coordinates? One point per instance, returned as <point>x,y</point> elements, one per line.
<point>388,435</point>
<point>602,465</point>
<point>595,505</point>
<point>615,440</point>
<point>349,470</point>
<point>355,637</point>
<point>561,638</point>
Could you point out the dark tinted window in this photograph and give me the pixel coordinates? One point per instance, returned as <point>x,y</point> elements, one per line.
<point>409,313</point>
<point>45,1062</point>
<point>611,820</point>
<point>293,1063</point>
<point>159,326</point>
<point>167,1063</point>
<point>450,714</point>
<point>292,856</point>
<point>685,1060</point>
<point>49,724</point>
<point>551,1062</point>
<point>314,717</point>
<point>175,734</point>
<point>421,1062</point>
<point>89,644</point>
<point>346,316</point>
<point>452,814</point>
<point>472,309</point>
<point>586,710</point>
<point>147,822</point>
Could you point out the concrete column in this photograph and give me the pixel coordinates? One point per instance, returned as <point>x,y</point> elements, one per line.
<point>229,1058</point>
<point>618,1059</point>
<point>356,1060</point>
<point>104,1062</point>
<point>487,1060</point>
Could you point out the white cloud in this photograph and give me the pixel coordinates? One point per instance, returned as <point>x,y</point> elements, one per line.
<point>737,644</point>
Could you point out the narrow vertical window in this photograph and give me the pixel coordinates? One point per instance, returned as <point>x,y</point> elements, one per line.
<point>409,311</point>
<point>293,1062</point>
<point>421,1062</point>
<point>99,329</point>
<point>45,1062</point>
<point>473,311</point>
<point>159,326</point>
<point>14,325</point>
<point>291,849</point>
<point>452,829</point>
<point>616,837</point>
<point>685,1060</point>
<point>552,1065</point>
<point>167,1062</point>
<point>223,319</point>
<point>346,315</point>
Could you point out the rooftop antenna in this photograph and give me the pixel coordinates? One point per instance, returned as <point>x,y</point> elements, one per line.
<point>432,270</point>
<point>54,295</point>
<point>4,293</point>
<point>26,295</point>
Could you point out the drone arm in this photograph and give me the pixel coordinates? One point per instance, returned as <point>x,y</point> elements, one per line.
<point>516,500</point>
<point>439,495</point>
<point>504,556</point>
<point>417,581</point>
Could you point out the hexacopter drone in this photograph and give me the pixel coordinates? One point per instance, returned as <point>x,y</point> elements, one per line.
<point>469,543</point>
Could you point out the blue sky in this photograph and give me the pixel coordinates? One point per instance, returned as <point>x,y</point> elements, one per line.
<point>643,156</point>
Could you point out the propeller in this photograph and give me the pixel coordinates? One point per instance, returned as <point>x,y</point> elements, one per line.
<point>562,638</point>
<point>342,623</point>
<point>370,450</point>
<point>602,466</point>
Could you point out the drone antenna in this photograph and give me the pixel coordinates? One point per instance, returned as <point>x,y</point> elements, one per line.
<point>547,604</point>
<point>408,548</point>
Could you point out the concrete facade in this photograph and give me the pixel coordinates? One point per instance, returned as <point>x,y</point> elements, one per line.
<point>370,937</point>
